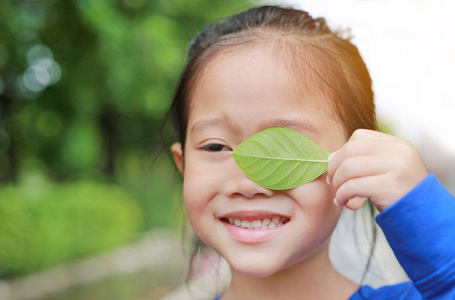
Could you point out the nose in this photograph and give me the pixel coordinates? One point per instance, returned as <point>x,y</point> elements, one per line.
<point>239,184</point>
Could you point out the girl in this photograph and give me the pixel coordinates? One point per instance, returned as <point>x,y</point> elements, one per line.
<point>278,67</point>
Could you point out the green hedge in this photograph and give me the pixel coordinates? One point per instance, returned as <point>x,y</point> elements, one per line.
<point>62,223</point>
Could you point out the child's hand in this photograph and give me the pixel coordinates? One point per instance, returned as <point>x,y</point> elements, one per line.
<point>374,165</point>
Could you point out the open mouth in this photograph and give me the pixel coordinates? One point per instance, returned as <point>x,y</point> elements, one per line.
<point>266,223</point>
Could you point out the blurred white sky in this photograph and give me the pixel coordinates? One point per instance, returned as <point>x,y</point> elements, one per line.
<point>409,48</point>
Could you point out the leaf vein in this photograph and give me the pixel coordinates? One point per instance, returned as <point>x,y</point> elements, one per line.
<point>284,159</point>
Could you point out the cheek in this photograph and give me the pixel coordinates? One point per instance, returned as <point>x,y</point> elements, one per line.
<point>316,202</point>
<point>315,191</point>
<point>194,190</point>
<point>200,186</point>
<point>315,218</point>
<point>195,204</point>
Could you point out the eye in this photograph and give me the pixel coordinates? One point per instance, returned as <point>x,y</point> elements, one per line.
<point>216,148</point>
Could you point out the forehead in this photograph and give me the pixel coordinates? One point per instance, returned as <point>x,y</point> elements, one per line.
<point>249,90</point>
<point>254,82</point>
<point>262,65</point>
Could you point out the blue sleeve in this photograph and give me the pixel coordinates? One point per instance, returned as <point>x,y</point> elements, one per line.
<point>420,228</point>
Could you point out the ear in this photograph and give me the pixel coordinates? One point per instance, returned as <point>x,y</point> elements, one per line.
<point>356,203</point>
<point>177,152</point>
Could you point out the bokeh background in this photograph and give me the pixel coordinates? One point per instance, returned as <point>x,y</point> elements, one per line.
<point>88,210</point>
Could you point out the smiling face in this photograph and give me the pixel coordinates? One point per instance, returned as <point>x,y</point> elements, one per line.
<point>258,231</point>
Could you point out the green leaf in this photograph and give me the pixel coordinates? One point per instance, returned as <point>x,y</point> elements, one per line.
<point>281,158</point>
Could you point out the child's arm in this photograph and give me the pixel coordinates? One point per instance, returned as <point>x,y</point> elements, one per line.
<point>375,165</point>
<point>420,229</point>
<point>418,213</point>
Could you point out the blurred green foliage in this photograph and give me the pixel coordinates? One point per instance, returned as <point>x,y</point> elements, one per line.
<point>84,83</point>
<point>83,86</point>
<point>43,226</point>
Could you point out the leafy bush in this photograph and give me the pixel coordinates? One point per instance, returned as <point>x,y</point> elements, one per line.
<point>44,227</point>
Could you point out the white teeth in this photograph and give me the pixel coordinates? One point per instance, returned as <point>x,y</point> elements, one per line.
<point>266,223</point>
<point>256,224</point>
<point>245,224</point>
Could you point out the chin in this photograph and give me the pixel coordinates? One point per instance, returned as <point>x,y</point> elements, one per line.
<point>255,267</point>
<point>256,272</point>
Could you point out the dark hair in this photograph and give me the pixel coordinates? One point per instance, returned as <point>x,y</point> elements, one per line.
<point>337,67</point>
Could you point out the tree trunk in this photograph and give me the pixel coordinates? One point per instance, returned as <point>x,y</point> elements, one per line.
<point>108,125</point>
<point>8,142</point>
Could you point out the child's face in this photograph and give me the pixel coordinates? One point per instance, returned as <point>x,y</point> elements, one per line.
<point>238,95</point>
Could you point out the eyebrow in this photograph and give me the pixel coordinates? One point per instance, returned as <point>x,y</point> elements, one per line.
<point>224,121</point>
<point>299,125</point>
<point>218,122</point>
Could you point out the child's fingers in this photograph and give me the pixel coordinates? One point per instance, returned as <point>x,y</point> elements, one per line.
<point>374,165</point>
<point>355,167</point>
<point>356,203</point>
<point>370,134</point>
<point>358,187</point>
<point>352,149</point>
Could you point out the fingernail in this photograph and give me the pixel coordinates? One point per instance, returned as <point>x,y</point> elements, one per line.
<point>329,181</point>
<point>335,201</point>
<point>330,156</point>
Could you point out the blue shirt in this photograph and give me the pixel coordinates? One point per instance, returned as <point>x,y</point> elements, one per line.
<point>420,229</point>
